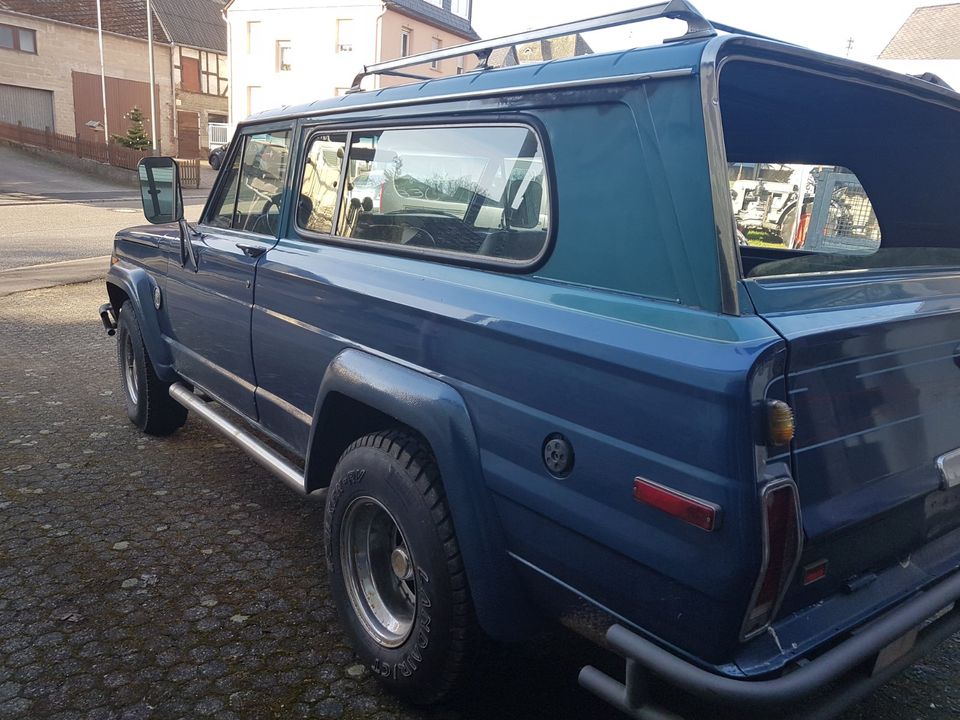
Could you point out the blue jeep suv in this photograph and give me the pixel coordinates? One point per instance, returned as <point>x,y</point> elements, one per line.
<point>662,344</point>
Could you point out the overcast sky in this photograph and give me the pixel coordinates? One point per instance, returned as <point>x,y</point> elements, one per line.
<point>824,25</point>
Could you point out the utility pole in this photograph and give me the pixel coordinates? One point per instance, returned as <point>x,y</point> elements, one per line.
<point>103,77</point>
<point>153,102</point>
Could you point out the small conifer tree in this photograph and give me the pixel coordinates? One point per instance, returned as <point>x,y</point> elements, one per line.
<point>136,136</point>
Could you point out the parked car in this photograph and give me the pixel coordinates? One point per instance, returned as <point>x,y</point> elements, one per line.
<point>546,379</point>
<point>216,156</point>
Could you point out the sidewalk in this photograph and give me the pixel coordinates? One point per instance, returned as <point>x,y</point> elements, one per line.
<point>47,275</point>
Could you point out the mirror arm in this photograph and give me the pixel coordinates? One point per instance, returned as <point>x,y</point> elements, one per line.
<point>186,244</point>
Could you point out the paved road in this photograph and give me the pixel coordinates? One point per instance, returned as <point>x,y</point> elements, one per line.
<point>172,578</point>
<point>50,213</point>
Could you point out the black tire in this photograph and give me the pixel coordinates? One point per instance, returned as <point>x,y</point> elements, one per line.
<point>148,401</point>
<point>395,471</point>
<point>214,161</point>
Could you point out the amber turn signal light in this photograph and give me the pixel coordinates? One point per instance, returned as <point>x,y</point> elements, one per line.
<point>780,425</point>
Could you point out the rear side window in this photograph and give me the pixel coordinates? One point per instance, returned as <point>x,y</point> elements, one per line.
<point>474,191</point>
<point>253,191</point>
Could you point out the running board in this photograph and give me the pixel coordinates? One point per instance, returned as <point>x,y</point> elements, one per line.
<point>256,449</point>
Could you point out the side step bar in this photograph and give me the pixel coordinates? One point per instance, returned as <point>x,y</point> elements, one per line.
<point>257,450</point>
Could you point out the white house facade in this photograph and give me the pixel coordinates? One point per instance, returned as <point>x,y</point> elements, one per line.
<point>285,52</point>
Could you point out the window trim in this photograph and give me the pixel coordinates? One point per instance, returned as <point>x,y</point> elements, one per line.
<point>16,30</point>
<point>406,38</point>
<point>446,257</point>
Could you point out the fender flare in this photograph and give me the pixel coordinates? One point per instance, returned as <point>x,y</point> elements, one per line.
<point>137,284</point>
<point>438,412</point>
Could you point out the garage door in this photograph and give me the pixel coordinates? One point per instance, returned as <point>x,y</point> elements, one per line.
<point>32,107</point>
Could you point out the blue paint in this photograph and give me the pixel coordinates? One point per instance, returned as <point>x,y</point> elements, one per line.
<point>617,341</point>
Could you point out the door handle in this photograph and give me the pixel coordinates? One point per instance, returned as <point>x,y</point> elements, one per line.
<point>253,251</point>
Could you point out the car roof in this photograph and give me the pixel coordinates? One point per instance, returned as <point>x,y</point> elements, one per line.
<point>678,56</point>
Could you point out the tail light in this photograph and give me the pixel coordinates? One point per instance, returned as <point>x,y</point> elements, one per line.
<point>782,544</point>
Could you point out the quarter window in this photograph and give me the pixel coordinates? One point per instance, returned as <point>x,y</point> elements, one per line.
<point>253,191</point>
<point>318,188</point>
<point>476,191</point>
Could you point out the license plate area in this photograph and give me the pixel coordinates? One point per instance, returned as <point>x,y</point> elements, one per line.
<point>904,644</point>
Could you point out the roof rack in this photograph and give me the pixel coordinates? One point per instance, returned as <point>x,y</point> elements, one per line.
<point>697,27</point>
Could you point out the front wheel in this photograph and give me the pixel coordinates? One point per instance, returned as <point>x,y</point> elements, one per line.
<point>149,405</point>
<point>395,569</point>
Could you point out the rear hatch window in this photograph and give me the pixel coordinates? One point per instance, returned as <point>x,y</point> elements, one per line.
<point>831,176</point>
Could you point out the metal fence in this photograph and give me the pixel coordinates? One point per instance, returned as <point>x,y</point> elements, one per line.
<point>217,134</point>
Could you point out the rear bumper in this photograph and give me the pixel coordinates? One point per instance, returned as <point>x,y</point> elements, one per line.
<point>846,668</point>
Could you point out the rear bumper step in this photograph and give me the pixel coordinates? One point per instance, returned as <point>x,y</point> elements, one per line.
<point>259,451</point>
<point>842,663</point>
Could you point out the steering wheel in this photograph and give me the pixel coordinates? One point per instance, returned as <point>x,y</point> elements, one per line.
<point>263,224</point>
<point>417,237</point>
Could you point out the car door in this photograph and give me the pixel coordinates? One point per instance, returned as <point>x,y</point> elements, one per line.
<point>210,293</point>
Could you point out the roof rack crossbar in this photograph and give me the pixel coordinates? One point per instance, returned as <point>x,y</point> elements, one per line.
<point>697,27</point>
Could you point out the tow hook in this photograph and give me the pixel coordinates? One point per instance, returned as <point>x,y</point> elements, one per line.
<point>107,317</point>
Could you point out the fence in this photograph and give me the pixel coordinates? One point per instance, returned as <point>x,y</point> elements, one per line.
<point>106,153</point>
<point>189,172</point>
<point>217,134</point>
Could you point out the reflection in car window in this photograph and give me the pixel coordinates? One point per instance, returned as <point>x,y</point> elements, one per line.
<point>226,203</point>
<point>480,191</point>
<point>318,188</point>
<point>260,191</point>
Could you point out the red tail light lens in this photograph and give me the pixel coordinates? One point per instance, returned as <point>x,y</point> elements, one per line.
<point>782,544</point>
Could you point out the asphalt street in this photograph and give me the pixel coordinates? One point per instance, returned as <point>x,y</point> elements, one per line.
<point>50,213</point>
<point>173,578</point>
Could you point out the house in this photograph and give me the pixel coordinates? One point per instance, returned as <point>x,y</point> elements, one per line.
<point>50,68</point>
<point>289,51</point>
<point>928,42</point>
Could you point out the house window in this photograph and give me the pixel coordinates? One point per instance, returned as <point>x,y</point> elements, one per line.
<point>253,33</point>
<point>18,38</point>
<point>213,71</point>
<point>461,8</point>
<point>284,56</point>
<point>406,40</point>
<point>344,35</point>
<point>437,44</point>
<point>460,65</point>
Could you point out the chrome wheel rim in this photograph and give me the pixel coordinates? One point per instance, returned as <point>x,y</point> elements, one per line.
<point>378,570</point>
<point>131,382</point>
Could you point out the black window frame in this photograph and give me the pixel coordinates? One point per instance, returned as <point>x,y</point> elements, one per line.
<point>16,30</point>
<point>446,257</point>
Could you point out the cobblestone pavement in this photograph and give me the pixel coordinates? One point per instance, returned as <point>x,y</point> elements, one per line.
<point>149,578</point>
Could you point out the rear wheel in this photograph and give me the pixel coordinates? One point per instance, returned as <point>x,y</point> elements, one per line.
<point>148,401</point>
<point>395,569</point>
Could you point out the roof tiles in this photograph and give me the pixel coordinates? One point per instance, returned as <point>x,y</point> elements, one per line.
<point>930,33</point>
